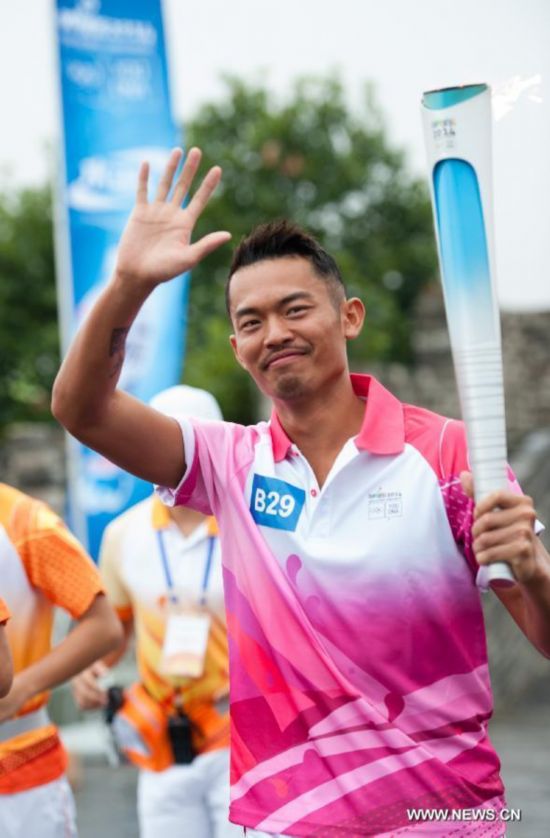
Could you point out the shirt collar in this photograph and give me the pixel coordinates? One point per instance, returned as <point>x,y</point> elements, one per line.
<point>383,428</point>
<point>160,518</point>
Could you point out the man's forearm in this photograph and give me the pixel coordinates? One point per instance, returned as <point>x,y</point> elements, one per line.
<point>115,655</point>
<point>95,634</point>
<point>87,380</point>
<point>536,597</point>
<point>87,402</point>
<point>6,667</point>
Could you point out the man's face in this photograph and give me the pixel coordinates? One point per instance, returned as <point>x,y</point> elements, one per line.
<point>290,333</point>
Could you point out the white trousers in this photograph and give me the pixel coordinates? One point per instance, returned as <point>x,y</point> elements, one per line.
<point>47,811</point>
<point>187,800</point>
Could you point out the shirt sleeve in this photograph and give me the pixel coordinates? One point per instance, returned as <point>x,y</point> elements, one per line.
<point>4,612</point>
<point>109,566</point>
<point>55,562</point>
<point>191,490</point>
<point>214,452</point>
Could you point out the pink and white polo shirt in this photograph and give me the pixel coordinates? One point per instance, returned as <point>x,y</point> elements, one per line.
<point>358,662</point>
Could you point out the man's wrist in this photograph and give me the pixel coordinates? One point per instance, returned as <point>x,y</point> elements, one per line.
<point>131,287</point>
<point>538,583</point>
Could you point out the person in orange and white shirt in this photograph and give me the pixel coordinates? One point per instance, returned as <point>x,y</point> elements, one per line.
<point>159,563</point>
<point>6,666</point>
<point>42,566</point>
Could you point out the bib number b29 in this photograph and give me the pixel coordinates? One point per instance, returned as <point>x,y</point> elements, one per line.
<point>275,503</point>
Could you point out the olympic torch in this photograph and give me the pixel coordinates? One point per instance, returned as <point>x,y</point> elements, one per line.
<point>457,131</point>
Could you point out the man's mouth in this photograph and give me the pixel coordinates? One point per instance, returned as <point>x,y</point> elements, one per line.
<point>284,357</point>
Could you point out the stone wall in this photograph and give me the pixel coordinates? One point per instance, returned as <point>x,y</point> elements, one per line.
<point>430,381</point>
<point>32,458</point>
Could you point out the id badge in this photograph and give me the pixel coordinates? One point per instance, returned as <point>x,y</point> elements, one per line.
<point>185,644</point>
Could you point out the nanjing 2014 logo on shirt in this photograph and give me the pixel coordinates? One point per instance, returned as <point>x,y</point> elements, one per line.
<point>385,504</point>
<point>274,503</point>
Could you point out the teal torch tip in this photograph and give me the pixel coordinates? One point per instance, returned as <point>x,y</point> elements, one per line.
<point>447,96</point>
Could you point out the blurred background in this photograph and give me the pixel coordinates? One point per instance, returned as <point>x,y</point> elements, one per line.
<point>313,111</point>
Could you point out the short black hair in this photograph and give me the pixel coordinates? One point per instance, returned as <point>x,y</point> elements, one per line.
<point>281,238</point>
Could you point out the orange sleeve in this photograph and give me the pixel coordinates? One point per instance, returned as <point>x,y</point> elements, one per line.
<point>56,563</point>
<point>4,611</point>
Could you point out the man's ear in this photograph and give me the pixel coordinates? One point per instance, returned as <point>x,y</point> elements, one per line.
<point>353,317</point>
<point>233,342</point>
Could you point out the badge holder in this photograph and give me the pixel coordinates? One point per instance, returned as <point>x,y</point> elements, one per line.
<point>185,640</point>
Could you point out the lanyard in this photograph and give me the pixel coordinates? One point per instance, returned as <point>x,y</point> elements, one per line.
<point>168,574</point>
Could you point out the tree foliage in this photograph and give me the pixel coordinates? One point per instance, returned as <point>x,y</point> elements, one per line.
<point>311,158</point>
<point>330,168</point>
<point>29,344</point>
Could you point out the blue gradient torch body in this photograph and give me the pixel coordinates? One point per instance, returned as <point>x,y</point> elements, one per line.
<point>457,129</point>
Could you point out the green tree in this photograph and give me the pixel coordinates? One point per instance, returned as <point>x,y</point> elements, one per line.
<point>330,168</point>
<point>311,158</point>
<point>29,344</point>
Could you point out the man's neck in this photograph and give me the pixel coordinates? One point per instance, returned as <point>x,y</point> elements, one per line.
<point>187,520</point>
<point>322,424</point>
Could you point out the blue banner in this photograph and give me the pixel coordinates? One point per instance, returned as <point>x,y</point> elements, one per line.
<point>115,113</point>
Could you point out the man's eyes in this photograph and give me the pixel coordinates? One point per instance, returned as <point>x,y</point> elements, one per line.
<point>247,324</point>
<point>293,311</point>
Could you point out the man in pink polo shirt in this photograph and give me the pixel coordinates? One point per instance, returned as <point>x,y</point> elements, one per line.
<point>353,553</point>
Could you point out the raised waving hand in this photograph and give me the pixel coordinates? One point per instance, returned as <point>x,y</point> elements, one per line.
<point>156,244</point>
<point>155,247</point>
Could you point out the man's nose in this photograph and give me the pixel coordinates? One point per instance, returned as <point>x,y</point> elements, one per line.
<point>277,332</point>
